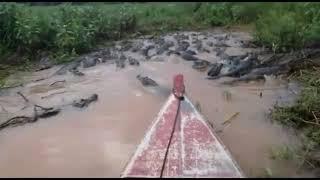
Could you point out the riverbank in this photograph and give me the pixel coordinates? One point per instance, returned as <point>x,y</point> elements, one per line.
<point>34,33</point>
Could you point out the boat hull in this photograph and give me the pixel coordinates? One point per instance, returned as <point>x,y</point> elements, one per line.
<point>195,150</point>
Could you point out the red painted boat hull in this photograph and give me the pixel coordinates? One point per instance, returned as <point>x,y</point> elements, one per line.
<point>195,150</point>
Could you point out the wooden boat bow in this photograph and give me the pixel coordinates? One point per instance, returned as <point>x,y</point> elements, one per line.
<point>180,143</point>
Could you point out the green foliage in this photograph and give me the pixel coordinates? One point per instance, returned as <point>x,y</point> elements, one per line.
<point>215,14</point>
<point>68,27</point>
<point>248,12</point>
<point>74,30</point>
<point>282,153</point>
<point>164,17</point>
<point>304,114</point>
<point>28,29</point>
<point>288,26</point>
<point>307,105</point>
<point>268,173</point>
<point>280,30</point>
<point>312,16</point>
<point>61,28</point>
<point>8,13</point>
<point>63,57</point>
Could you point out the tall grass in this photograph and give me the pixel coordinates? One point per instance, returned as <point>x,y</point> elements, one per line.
<point>288,26</point>
<point>67,28</point>
<point>60,28</point>
<point>77,28</point>
<point>304,115</point>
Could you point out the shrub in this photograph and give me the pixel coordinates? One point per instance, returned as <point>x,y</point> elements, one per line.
<point>304,114</point>
<point>215,14</point>
<point>280,30</point>
<point>8,13</point>
<point>312,16</point>
<point>248,12</point>
<point>66,27</point>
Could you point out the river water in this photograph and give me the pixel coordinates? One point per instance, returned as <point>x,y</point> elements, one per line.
<point>97,141</point>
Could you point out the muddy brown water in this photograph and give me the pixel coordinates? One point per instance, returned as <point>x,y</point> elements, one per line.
<point>99,140</point>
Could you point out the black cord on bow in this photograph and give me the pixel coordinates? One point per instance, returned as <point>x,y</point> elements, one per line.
<point>171,135</point>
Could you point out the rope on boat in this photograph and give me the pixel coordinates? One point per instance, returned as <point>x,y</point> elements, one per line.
<point>171,136</point>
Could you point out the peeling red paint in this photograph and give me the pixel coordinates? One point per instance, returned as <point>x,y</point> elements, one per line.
<point>194,152</point>
<point>178,86</point>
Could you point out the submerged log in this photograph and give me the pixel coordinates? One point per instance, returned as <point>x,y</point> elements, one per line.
<point>21,120</point>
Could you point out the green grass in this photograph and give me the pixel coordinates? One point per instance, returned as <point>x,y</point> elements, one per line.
<point>78,28</point>
<point>67,28</point>
<point>304,114</point>
<point>282,153</point>
<point>266,173</point>
<point>288,26</point>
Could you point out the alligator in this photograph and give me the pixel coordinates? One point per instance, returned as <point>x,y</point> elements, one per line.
<point>145,50</point>
<point>259,73</point>
<point>76,72</point>
<point>279,69</point>
<point>182,46</point>
<point>65,68</point>
<point>126,45</point>
<point>133,61</point>
<point>165,47</point>
<point>136,46</point>
<point>221,44</point>
<point>205,50</point>
<point>219,51</point>
<point>241,69</point>
<point>215,69</point>
<point>180,37</point>
<point>45,63</point>
<point>120,62</point>
<point>191,52</point>
<point>198,45</point>
<point>159,41</point>
<point>172,52</point>
<point>209,43</point>
<point>245,78</point>
<point>89,62</point>
<point>146,81</point>
<point>188,57</point>
<point>200,65</point>
<point>42,112</point>
<point>84,102</point>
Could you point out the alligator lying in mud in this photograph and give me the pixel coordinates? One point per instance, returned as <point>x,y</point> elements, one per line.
<point>239,70</point>
<point>84,102</point>
<point>146,81</point>
<point>201,65</point>
<point>252,68</point>
<point>260,73</point>
<point>244,78</point>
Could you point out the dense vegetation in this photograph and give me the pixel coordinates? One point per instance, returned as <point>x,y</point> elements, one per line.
<point>65,30</point>
<point>304,116</point>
